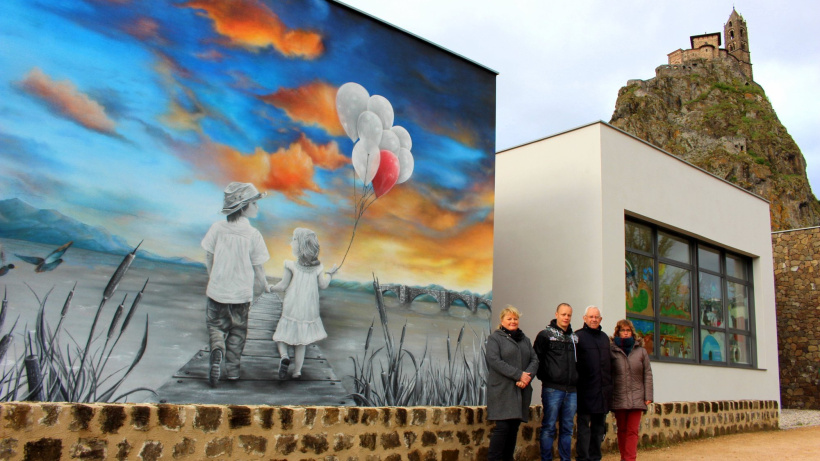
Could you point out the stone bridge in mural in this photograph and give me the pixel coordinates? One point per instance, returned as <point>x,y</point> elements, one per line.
<point>445,298</point>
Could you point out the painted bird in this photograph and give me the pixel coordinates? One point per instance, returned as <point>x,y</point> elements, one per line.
<point>4,268</point>
<point>50,262</point>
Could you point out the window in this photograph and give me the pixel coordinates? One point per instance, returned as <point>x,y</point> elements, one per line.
<point>691,301</point>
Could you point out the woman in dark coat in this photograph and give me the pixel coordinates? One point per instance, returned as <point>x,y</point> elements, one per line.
<point>633,392</point>
<point>511,362</point>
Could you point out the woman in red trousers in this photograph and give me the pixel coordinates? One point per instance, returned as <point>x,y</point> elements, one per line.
<point>632,379</point>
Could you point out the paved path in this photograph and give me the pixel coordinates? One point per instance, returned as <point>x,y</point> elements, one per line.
<point>259,383</point>
<point>785,444</point>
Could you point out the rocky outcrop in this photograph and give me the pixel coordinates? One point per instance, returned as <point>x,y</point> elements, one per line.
<point>709,114</point>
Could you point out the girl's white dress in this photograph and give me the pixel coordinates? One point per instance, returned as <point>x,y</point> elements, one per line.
<point>300,323</point>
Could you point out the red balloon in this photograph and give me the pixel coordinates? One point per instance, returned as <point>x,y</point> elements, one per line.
<point>387,174</point>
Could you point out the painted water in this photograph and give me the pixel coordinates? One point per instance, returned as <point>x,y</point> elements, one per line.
<point>174,301</point>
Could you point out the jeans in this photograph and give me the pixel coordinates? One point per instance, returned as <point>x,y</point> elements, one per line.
<point>229,320</point>
<point>628,422</point>
<point>591,433</point>
<point>502,440</point>
<point>559,406</point>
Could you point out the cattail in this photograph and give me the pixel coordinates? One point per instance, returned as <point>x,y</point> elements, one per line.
<point>120,272</point>
<point>4,307</point>
<point>449,354</point>
<point>117,315</point>
<point>68,301</point>
<point>5,342</point>
<point>133,308</point>
<point>369,335</point>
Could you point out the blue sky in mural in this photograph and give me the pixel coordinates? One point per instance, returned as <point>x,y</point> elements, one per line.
<point>134,115</point>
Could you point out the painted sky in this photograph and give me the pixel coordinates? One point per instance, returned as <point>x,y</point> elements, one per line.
<point>134,115</point>
<point>561,63</point>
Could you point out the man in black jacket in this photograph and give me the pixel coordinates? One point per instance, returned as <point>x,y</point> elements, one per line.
<point>594,386</point>
<point>555,348</point>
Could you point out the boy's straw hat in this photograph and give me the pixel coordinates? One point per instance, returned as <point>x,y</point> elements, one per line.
<point>237,194</point>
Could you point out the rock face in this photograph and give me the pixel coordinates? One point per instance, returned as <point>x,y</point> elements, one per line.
<point>708,113</point>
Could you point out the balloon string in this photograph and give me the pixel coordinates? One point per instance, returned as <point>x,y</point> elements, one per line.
<point>362,204</point>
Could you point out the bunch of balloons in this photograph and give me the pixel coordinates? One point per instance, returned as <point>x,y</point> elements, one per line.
<point>381,153</point>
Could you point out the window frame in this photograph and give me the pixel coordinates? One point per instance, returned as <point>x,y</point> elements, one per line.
<point>694,268</point>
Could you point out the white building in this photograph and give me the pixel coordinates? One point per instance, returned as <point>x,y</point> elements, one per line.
<point>698,278</point>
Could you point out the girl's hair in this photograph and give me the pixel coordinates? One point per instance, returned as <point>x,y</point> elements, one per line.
<point>233,217</point>
<point>510,309</point>
<point>308,246</point>
<point>624,325</point>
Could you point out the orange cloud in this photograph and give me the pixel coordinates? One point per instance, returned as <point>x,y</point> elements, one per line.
<point>311,104</point>
<point>68,101</point>
<point>252,24</point>
<point>289,170</point>
<point>327,156</point>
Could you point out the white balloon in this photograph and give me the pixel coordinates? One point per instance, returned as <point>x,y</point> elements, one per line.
<point>351,101</point>
<point>381,107</point>
<point>366,159</point>
<point>404,137</point>
<point>369,127</point>
<point>406,164</point>
<point>389,141</point>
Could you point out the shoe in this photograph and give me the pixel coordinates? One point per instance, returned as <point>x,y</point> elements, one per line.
<point>216,367</point>
<point>297,375</point>
<point>284,363</point>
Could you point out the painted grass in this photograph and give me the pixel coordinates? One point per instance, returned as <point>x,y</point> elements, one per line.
<point>393,376</point>
<point>54,366</point>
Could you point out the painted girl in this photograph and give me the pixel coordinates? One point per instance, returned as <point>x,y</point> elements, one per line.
<point>300,324</point>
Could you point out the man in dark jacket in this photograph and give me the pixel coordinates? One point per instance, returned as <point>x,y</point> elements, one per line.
<point>555,348</point>
<point>594,386</point>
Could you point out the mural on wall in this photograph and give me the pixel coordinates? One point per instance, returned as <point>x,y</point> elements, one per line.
<point>354,161</point>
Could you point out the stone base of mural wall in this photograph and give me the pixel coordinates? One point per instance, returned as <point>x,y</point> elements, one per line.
<point>41,431</point>
<point>797,283</point>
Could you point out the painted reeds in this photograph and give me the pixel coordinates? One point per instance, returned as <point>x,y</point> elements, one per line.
<point>48,370</point>
<point>393,376</point>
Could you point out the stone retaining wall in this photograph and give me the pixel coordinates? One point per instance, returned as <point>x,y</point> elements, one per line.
<point>46,431</point>
<point>797,283</point>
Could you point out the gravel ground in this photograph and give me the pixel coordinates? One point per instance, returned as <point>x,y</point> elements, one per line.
<point>790,419</point>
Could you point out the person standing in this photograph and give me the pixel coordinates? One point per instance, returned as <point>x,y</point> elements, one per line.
<point>594,386</point>
<point>633,390</point>
<point>555,348</point>
<point>300,324</point>
<point>234,255</point>
<point>511,362</point>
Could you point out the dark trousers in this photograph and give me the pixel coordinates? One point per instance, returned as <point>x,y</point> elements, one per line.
<point>591,433</point>
<point>502,440</point>
<point>227,330</point>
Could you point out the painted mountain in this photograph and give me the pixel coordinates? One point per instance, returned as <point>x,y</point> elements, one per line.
<point>21,221</point>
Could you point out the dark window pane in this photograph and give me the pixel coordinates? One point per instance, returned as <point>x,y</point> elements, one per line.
<point>639,282</point>
<point>673,247</point>
<point>711,300</point>
<point>712,346</point>
<point>736,267</point>
<point>646,330</point>
<point>676,341</point>
<point>709,258</point>
<point>675,295</point>
<point>738,297</point>
<point>638,236</point>
<point>740,349</point>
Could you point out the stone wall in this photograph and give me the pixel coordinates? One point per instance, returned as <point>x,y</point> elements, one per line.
<point>44,431</point>
<point>797,280</point>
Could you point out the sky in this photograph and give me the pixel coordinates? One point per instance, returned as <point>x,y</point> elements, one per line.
<point>561,63</point>
<point>134,115</point>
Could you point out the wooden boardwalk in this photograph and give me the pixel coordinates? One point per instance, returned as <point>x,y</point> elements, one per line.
<point>259,382</point>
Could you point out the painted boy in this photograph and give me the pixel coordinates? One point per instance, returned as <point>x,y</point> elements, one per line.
<point>234,255</point>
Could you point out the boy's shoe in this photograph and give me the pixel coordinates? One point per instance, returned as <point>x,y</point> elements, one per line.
<point>284,363</point>
<point>216,367</point>
<point>297,375</point>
